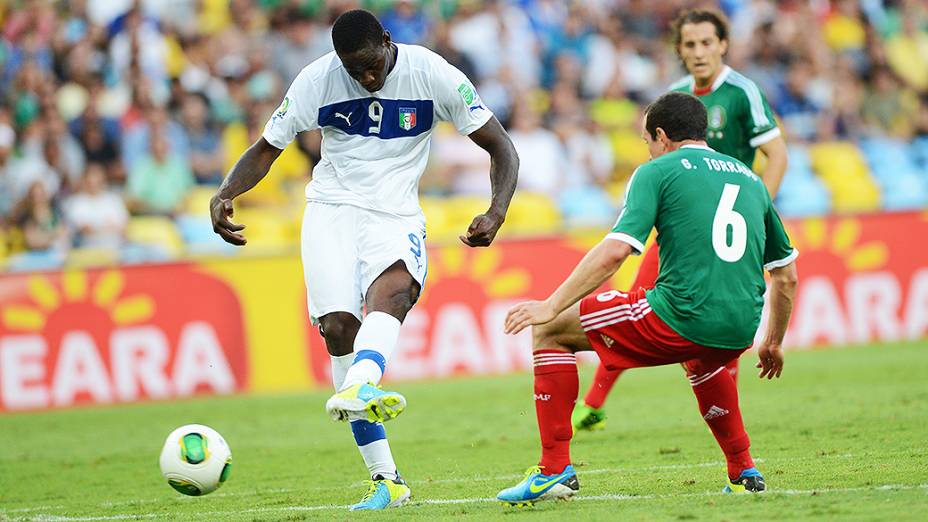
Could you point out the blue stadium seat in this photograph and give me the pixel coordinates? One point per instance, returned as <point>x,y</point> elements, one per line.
<point>802,193</point>
<point>586,205</point>
<point>198,235</point>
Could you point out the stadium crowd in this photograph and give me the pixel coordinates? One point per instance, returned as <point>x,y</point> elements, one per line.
<point>119,118</point>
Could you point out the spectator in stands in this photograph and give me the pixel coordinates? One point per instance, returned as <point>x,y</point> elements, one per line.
<point>38,217</point>
<point>136,141</point>
<point>544,163</point>
<point>7,141</point>
<point>887,107</point>
<point>795,105</point>
<point>206,154</point>
<point>100,140</point>
<point>297,41</point>
<point>96,215</point>
<point>406,22</point>
<point>907,52</point>
<point>159,181</point>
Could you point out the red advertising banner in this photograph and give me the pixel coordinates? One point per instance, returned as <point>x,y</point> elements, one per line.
<point>862,279</point>
<point>118,335</point>
<point>174,330</point>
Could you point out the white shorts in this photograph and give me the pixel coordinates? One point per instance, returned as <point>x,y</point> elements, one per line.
<point>345,248</point>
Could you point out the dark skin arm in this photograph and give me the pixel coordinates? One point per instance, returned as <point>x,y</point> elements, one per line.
<point>504,174</point>
<point>247,172</point>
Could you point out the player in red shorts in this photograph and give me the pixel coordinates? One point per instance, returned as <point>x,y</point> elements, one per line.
<point>718,232</point>
<point>740,123</point>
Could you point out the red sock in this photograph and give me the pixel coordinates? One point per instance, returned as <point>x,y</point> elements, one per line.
<point>556,387</point>
<point>718,404</point>
<point>601,386</point>
<point>648,270</point>
<point>733,369</point>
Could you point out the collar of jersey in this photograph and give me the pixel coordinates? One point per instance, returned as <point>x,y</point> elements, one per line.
<point>726,70</point>
<point>692,146</point>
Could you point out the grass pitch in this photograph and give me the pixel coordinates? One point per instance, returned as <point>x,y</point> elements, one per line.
<point>841,436</point>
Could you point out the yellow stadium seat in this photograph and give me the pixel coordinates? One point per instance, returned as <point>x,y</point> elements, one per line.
<point>155,231</point>
<point>629,149</point>
<point>533,214</point>
<point>197,202</point>
<point>843,169</point>
<point>439,223</point>
<point>91,257</point>
<point>267,229</point>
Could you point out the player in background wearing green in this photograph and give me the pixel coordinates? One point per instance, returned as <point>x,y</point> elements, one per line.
<point>719,232</point>
<point>740,122</point>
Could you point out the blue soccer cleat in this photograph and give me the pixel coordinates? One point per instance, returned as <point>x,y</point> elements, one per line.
<point>750,481</point>
<point>383,494</point>
<point>365,402</point>
<point>537,486</point>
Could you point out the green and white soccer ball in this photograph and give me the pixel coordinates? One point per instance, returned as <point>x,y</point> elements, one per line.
<point>196,460</point>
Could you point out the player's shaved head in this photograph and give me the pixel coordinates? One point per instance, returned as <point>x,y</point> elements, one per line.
<point>682,117</point>
<point>355,30</point>
<point>364,48</point>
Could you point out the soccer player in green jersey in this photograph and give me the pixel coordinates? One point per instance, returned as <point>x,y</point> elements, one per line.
<point>740,122</point>
<point>719,232</point>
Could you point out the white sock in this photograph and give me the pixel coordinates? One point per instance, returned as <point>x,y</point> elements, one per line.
<point>379,459</point>
<point>340,365</point>
<point>373,347</point>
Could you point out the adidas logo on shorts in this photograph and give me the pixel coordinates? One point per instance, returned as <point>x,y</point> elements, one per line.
<point>608,340</point>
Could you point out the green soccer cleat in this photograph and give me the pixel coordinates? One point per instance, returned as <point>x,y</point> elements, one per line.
<point>585,418</point>
<point>750,481</point>
<point>383,494</point>
<point>365,402</point>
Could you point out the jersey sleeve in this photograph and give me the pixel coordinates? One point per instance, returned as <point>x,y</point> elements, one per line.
<point>778,252</point>
<point>297,112</point>
<point>640,212</point>
<point>456,99</point>
<point>760,122</point>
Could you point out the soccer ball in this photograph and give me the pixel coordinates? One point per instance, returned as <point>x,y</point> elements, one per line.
<point>196,460</point>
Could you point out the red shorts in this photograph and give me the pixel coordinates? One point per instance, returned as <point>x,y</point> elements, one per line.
<point>627,334</point>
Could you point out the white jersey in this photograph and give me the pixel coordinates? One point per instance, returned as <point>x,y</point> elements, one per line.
<point>375,146</point>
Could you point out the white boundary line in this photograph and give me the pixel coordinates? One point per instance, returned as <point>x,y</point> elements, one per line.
<point>484,500</point>
<point>453,480</point>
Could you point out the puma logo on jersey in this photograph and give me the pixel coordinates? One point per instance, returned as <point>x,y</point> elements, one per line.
<point>342,116</point>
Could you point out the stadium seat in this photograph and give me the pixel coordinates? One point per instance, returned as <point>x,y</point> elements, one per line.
<point>35,260</point>
<point>844,171</point>
<point>919,152</point>
<point>198,235</point>
<point>532,214</point>
<point>267,229</point>
<point>586,205</point>
<point>439,223</point>
<point>801,192</point>
<point>897,173</point>
<point>91,257</point>
<point>157,233</point>
<point>197,202</point>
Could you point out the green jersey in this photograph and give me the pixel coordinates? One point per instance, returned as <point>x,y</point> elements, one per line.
<point>740,119</point>
<point>717,230</point>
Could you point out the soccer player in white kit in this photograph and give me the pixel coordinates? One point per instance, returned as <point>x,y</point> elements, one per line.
<point>363,250</point>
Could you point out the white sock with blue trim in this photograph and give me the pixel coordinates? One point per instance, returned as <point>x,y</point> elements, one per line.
<point>373,346</point>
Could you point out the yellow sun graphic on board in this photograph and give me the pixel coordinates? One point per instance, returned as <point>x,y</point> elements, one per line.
<point>585,240</point>
<point>841,239</point>
<point>481,266</point>
<point>106,294</point>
